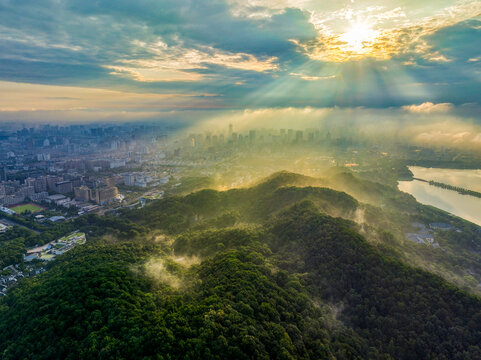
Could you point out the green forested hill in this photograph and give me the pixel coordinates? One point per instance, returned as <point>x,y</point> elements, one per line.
<point>195,278</point>
<point>384,220</point>
<point>253,205</point>
<point>405,312</point>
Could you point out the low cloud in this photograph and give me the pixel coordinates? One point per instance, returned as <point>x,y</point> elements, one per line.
<point>312,77</point>
<point>157,269</point>
<point>27,97</point>
<point>383,126</point>
<point>429,107</point>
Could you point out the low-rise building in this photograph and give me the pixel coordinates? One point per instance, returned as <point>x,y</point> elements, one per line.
<point>7,211</point>
<point>56,199</point>
<point>3,228</point>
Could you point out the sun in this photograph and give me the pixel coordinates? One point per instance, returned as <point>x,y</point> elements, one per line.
<point>358,38</point>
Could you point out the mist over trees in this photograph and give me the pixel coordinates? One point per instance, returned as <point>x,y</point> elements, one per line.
<point>218,275</point>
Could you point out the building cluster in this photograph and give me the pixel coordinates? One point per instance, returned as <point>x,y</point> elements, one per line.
<point>3,228</point>
<point>425,234</point>
<point>223,142</point>
<point>9,276</point>
<point>62,190</point>
<point>77,165</point>
<point>33,258</point>
<point>48,251</point>
<point>144,180</point>
<point>255,136</point>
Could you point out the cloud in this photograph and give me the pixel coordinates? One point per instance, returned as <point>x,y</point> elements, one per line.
<point>172,63</point>
<point>19,97</point>
<point>253,53</point>
<point>312,77</point>
<point>382,41</point>
<point>429,107</point>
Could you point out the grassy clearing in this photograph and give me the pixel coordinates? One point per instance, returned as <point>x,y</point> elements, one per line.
<point>19,209</point>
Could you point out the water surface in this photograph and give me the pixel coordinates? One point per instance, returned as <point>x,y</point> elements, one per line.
<point>468,179</point>
<point>465,206</point>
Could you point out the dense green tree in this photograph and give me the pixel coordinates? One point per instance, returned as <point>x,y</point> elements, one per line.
<point>257,273</point>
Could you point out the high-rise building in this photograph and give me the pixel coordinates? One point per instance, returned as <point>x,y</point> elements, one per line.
<point>39,196</point>
<point>3,173</point>
<point>30,181</point>
<point>299,135</point>
<point>105,195</point>
<point>83,193</point>
<point>252,136</point>
<point>26,190</point>
<point>64,187</point>
<point>52,181</point>
<point>129,179</point>
<point>40,184</point>
<point>76,182</point>
<point>290,134</point>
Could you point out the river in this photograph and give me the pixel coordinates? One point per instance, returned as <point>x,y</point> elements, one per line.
<point>464,206</point>
<point>467,179</point>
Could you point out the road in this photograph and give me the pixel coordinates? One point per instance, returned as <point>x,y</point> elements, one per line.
<point>10,222</point>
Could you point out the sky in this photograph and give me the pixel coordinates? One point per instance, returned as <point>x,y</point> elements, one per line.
<point>191,60</point>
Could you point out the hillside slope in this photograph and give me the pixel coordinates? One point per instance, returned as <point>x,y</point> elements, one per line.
<point>298,285</point>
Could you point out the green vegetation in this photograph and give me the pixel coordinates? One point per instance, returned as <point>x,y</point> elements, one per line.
<point>31,208</point>
<point>191,183</point>
<point>14,242</point>
<point>383,213</point>
<point>267,272</point>
<point>11,251</point>
<point>458,189</point>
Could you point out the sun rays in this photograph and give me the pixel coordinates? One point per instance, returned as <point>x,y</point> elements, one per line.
<point>358,38</point>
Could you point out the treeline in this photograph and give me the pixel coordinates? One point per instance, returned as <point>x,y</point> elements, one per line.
<point>28,221</point>
<point>175,214</point>
<point>458,189</point>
